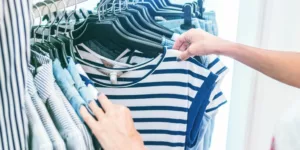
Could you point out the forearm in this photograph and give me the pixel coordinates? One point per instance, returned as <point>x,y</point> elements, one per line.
<point>282,66</point>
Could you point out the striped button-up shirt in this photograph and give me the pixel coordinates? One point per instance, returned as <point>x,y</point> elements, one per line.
<point>38,137</point>
<point>14,54</point>
<point>44,81</point>
<point>56,139</point>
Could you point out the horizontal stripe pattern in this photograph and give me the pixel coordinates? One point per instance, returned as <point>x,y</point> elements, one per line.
<point>159,95</point>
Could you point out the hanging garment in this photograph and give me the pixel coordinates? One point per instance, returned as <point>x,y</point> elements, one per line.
<point>79,84</point>
<point>217,98</point>
<point>87,81</point>
<point>214,64</point>
<point>84,131</point>
<point>44,81</point>
<point>56,139</point>
<point>204,128</point>
<point>69,91</point>
<point>163,94</point>
<point>14,55</point>
<point>211,16</point>
<point>38,137</point>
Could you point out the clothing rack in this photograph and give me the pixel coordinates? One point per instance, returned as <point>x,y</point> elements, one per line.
<point>58,3</point>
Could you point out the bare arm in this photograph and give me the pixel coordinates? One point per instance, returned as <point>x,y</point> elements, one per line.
<point>282,66</point>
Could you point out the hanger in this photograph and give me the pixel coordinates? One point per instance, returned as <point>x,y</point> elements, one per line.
<point>58,42</point>
<point>129,26</point>
<point>148,25</point>
<point>137,17</point>
<point>188,10</point>
<point>201,8</point>
<point>128,21</point>
<point>158,4</point>
<point>168,3</point>
<point>143,10</point>
<point>44,47</point>
<point>116,19</point>
<point>33,59</point>
<point>106,29</point>
<point>156,12</point>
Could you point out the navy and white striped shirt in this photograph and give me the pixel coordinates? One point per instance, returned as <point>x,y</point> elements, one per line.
<point>167,98</point>
<point>14,54</point>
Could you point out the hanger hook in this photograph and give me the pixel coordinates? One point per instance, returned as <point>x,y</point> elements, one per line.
<point>101,6</point>
<point>50,16</point>
<point>49,30</point>
<point>40,14</point>
<point>62,17</point>
<point>72,13</point>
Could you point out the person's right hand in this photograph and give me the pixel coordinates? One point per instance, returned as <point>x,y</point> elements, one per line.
<point>198,42</point>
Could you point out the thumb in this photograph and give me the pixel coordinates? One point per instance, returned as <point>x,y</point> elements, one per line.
<point>185,55</point>
<point>188,52</point>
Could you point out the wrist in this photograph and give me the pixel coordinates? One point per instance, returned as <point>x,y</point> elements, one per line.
<point>137,142</point>
<point>227,48</point>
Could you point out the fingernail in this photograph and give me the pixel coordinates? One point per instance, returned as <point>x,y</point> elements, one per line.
<point>99,94</point>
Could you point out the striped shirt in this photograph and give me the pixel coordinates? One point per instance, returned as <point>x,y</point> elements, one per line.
<point>38,137</point>
<point>56,139</point>
<point>14,54</point>
<point>214,64</point>
<point>44,81</point>
<point>167,98</point>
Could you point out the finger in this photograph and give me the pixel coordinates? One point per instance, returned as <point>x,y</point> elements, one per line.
<point>97,111</point>
<point>188,53</point>
<point>88,119</point>
<point>178,42</point>
<point>184,46</point>
<point>106,104</point>
<point>185,55</point>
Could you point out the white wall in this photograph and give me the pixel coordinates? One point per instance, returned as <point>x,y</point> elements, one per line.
<point>277,27</point>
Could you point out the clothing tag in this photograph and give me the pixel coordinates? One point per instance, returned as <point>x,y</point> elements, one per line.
<point>113,77</point>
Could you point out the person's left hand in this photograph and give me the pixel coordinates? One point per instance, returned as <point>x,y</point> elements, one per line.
<point>114,127</point>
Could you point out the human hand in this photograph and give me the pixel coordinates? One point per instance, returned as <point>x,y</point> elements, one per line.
<point>114,127</point>
<point>198,42</point>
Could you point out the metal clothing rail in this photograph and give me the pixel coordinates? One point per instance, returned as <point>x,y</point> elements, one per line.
<point>57,3</point>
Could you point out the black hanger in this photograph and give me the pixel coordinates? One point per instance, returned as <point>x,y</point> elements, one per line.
<point>120,26</point>
<point>108,30</point>
<point>171,4</point>
<point>188,8</point>
<point>132,29</point>
<point>137,24</point>
<point>158,4</point>
<point>143,10</point>
<point>154,12</point>
<point>149,26</point>
<point>60,45</point>
<point>201,8</point>
<point>34,62</point>
<point>68,45</point>
<point>45,48</point>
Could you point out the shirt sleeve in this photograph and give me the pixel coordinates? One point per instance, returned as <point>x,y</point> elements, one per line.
<point>217,98</point>
<point>206,80</point>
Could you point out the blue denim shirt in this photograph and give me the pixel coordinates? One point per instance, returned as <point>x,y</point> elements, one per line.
<point>70,91</point>
<point>79,84</point>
